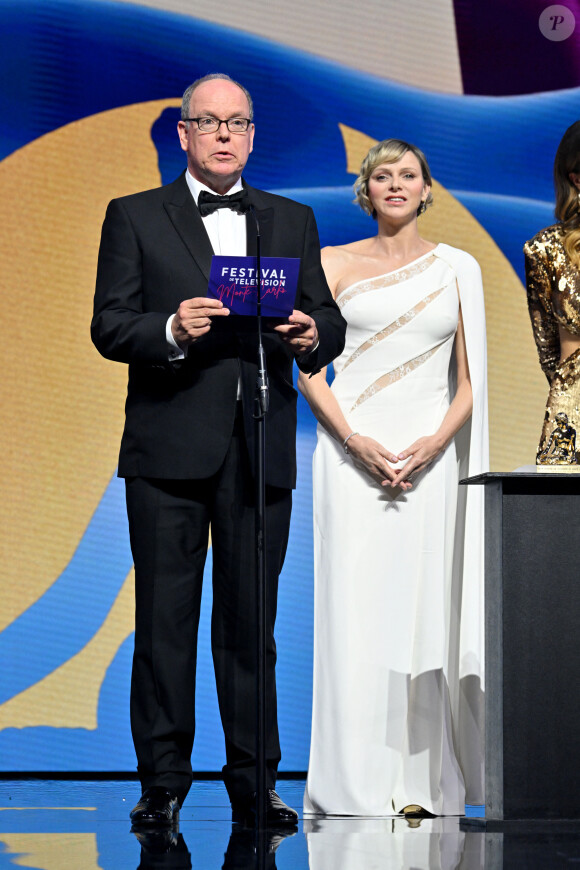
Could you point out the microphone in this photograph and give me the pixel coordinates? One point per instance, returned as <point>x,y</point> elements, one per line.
<point>262,386</point>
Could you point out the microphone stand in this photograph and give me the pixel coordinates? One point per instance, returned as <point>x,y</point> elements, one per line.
<point>261,403</point>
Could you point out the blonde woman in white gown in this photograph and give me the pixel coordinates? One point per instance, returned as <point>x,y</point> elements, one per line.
<point>398,645</point>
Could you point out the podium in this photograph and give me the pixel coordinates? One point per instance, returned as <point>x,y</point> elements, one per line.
<point>532,641</point>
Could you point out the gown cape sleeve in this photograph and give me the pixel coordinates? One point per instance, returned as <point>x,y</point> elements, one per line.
<point>472,446</point>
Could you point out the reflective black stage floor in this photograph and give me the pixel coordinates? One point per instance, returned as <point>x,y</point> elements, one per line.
<point>62,825</point>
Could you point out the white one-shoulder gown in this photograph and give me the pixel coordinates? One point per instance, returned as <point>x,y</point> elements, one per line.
<point>398,644</point>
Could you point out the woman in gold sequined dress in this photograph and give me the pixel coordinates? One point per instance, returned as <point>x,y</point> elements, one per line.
<point>553,286</point>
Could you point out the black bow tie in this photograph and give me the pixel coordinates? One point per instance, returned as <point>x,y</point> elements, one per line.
<point>208,202</point>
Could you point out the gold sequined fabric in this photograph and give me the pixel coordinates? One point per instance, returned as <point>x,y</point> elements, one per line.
<point>553,288</point>
<point>562,419</point>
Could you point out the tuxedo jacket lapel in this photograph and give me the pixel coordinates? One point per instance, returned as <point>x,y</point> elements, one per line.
<point>265,219</point>
<point>185,217</point>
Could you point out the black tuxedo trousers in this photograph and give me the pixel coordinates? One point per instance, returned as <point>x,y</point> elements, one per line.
<point>169,525</point>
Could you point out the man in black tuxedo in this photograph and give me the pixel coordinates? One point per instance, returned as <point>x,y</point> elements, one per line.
<point>187,451</point>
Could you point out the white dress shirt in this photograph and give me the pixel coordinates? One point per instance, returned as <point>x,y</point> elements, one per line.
<point>226,229</point>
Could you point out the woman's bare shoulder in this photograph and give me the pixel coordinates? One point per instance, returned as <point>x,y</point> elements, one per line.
<point>346,252</point>
<point>342,262</point>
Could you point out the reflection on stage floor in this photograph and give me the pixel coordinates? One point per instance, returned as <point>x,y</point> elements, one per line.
<point>84,825</point>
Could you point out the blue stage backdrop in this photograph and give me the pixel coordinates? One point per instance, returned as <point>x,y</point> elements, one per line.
<point>90,94</point>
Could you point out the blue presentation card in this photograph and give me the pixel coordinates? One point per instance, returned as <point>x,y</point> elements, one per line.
<point>234,281</point>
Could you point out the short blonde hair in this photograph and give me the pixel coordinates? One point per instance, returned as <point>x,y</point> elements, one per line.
<point>388,151</point>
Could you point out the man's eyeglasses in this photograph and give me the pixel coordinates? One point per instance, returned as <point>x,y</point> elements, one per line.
<point>211,125</point>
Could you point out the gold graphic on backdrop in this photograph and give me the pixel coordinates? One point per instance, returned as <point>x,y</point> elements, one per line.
<point>515,383</point>
<point>62,404</point>
<point>53,851</point>
<point>69,696</point>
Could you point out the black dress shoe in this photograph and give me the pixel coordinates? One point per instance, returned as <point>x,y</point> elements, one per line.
<point>277,812</point>
<point>156,807</point>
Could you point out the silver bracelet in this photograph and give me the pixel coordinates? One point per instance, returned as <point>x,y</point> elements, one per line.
<point>344,443</point>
